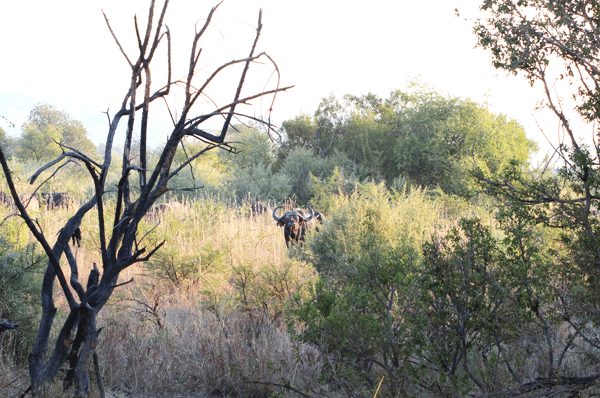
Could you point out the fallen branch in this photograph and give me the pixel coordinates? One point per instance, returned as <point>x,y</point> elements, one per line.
<point>5,325</point>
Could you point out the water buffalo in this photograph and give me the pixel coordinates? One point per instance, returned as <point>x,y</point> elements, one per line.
<point>295,222</point>
<point>258,209</point>
<point>5,325</point>
<point>5,199</point>
<point>30,202</point>
<point>319,217</point>
<point>55,200</point>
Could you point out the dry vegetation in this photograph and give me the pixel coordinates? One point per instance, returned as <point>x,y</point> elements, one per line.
<point>206,316</point>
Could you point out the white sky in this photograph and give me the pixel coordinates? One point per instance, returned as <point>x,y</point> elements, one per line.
<point>61,52</point>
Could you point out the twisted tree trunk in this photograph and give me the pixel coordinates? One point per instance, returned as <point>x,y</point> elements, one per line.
<point>138,190</point>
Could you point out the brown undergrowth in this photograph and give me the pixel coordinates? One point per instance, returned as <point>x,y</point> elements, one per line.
<point>204,318</point>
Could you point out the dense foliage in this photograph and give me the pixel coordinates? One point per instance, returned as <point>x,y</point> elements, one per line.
<point>45,129</point>
<point>447,265</point>
<point>431,139</point>
<point>434,303</point>
<point>21,266</point>
<point>556,44</point>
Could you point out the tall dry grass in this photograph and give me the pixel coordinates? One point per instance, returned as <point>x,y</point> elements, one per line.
<point>217,329</point>
<point>206,316</point>
<point>197,351</point>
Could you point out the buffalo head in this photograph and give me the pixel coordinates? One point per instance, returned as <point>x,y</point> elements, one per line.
<point>295,223</point>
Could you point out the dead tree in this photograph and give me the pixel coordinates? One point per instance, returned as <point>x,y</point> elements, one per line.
<point>137,191</point>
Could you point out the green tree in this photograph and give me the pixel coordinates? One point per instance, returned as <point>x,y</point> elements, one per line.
<point>366,141</point>
<point>370,134</point>
<point>21,266</point>
<point>249,167</point>
<point>299,131</point>
<point>440,138</point>
<point>437,304</point>
<point>319,133</point>
<point>254,147</point>
<point>429,138</point>
<point>206,171</point>
<point>359,313</point>
<point>476,304</point>
<point>45,128</point>
<point>556,46</point>
<point>298,167</point>
<point>8,143</point>
<point>39,143</point>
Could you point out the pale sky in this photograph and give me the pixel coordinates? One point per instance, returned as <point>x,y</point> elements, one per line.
<point>61,52</point>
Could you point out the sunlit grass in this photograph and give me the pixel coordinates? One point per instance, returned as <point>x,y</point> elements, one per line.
<point>207,315</point>
<point>213,329</point>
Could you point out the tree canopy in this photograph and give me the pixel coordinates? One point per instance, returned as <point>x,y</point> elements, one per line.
<point>430,138</point>
<point>556,46</point>
<point>7,143</point>
<point>45,128</point>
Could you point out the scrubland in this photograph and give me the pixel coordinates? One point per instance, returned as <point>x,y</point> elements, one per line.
<point>402,292</point>
<point>206,316</point>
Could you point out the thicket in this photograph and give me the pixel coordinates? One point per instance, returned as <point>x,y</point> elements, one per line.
<point>446,267</point>
<point>21,267</point>
<point>432,303</point>
<point>428,292</point>
<point>426,137</point>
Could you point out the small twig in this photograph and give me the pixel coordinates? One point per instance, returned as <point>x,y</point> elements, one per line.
<point>122,284</point>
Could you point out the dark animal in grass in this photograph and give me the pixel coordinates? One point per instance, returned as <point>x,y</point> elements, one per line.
<point>5,325</point>
<point>76,237</point>
<point>295,223</point>
<point>5,199</point>
<point>54,200</point>
<point>258,209</point>
<point>319,217</point>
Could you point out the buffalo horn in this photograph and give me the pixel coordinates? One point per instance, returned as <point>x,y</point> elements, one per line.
<point>275,216</point>
<point>312,213</point>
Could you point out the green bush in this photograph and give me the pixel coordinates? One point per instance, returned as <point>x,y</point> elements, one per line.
<point>370,211</point>
<point>298,166</point>
<point>435,303</point>
<point>21,265</point>
<point>257,181</point>
<point>366,256</point>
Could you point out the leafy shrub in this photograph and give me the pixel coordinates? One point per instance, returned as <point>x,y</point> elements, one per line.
<point>366,256</point>
<point>444,309</point>
<point>298,166</point>
<point>254,148</point>
<point>269,288</point>
<point>370,211</point>
<point>257,181</point>
<point>181,267</point>
<point>21,264</point>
